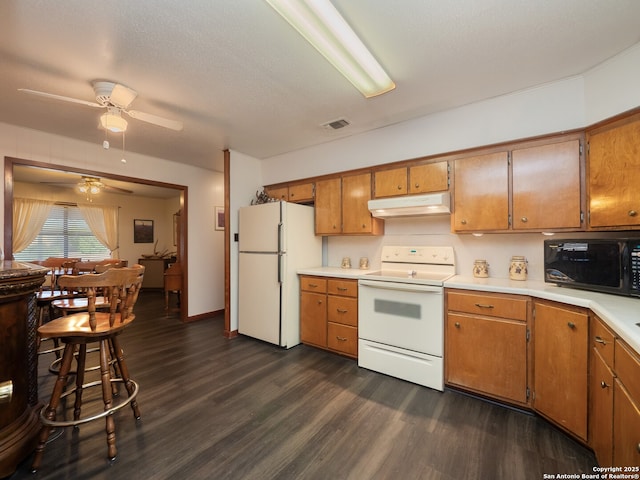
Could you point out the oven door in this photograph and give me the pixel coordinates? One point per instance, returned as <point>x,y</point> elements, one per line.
<point>403,315</point>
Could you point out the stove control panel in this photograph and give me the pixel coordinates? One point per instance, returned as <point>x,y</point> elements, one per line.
<point>424,254</point>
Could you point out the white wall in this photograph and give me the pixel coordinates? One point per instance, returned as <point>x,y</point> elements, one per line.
<point>205,191</point>
<point>573,103</point>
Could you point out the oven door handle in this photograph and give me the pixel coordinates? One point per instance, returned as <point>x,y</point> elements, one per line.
<point>405,287</point>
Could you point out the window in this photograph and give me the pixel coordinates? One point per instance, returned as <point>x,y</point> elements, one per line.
<point>64,234</point>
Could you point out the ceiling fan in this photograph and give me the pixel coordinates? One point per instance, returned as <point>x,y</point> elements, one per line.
<point>116,98</point>
<point>89,186</point>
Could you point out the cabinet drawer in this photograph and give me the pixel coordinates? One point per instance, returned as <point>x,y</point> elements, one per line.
<point>347,288</point>
<point>313,284</point>
<point>343,310</point>
<point>342,338</point>
<point>627,368</point>
<point>602,340</point>
<point>503,306</point>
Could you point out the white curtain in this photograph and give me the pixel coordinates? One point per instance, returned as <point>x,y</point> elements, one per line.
<point>29,216</point>
<point>103,222</point>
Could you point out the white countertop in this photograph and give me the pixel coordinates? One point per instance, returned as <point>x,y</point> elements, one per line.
<point>619,313</point>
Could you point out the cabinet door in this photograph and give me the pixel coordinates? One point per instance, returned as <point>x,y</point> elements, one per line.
<point>389,183</point>
<point>601,410</point>
<point>481,196</point>
<point>487,355</point>
<point>560,359</point>
<point>356,192</point>
<point>301,193</point>
<point>328,207</point>
<point>432,177</point>
<point>279,193</point>
<point>546,186</point>
<point>626,428</point>
<point>313,319</point>
<point>614,176</point>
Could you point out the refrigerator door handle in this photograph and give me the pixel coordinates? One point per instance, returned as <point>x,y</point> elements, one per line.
<point>280,249</point>
<point>280,268</point>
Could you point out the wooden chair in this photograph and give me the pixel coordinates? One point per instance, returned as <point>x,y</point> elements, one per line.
<point>79,329</point>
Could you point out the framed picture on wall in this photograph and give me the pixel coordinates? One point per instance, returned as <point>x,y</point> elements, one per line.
<point>219,218</point>
<point>142,231</point>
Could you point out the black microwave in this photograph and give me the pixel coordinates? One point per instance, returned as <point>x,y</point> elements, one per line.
<point>602,265</point>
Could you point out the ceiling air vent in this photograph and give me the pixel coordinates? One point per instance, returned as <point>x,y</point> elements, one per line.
<point>336,124</point>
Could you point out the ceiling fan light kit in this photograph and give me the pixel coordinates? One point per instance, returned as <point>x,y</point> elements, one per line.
<point>322,26</point>
<point>113,121</point>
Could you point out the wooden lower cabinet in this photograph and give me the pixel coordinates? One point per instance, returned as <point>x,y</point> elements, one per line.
<point>601,391</point>
<point>626,407</point>
<point>329,314</point>
<point>561,346</point>
<point>486,345</point>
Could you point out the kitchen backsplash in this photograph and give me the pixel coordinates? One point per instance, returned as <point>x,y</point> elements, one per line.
<point>497,249</point>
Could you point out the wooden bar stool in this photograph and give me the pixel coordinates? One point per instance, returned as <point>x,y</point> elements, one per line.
<point>79,329</point>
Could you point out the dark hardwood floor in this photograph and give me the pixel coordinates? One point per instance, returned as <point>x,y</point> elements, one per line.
<point>214,408</point>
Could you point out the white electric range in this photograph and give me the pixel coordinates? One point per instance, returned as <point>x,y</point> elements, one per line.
<point>401,314</point>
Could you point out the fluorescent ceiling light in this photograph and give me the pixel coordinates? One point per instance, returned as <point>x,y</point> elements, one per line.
<point>320,23</point>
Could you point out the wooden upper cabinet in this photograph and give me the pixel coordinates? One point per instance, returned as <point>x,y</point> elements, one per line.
<point>356,218</point>
<point>426,178</point>
<point>431,177</point>
<point>301,193</point>
<point>614,175</point>
<point>481,195</point>
<point>389,183</point>
<point>281,193</point>
<point>546,186</point>
<point>328,207</point>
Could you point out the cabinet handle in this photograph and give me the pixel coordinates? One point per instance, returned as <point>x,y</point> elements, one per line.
<point>291,195</point>
<point>464,222</point>
<point>457,324</point>
<point>632,213</point>
<point>339,310</point>
<point>604,384</point>
<point>524,219</point>
<point>313,285</point>
<point>341,339</point>
<point>334,227</point>
<point>599,339</point>
<point>638,447</point>
<point>319,302</point>
<point>364,226</point>
<point>399,187</point>
<point>342,289</point>
<point>417,185</point>
<point>571,325</point>
<point>483,305</point>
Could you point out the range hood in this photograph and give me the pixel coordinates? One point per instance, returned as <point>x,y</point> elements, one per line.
<point>411,205</point>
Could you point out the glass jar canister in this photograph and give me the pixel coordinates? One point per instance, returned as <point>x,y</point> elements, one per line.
<point>480,269</point>
<point>518,268</point>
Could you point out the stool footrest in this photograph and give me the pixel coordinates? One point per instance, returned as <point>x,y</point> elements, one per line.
<point>110,411</point>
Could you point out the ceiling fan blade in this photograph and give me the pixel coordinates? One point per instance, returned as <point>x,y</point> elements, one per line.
<point>115,189</point>
<point>122,96</point>
<point>156,120</point>
<point>60,97</point>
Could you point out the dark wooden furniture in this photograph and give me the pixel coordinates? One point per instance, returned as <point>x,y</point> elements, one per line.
<point>154,271</point>
<point>172,284</point>
<point>18,362</point>
<point>79,329</point>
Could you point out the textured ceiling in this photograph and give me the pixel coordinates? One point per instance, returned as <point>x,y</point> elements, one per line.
<point>239,77</point>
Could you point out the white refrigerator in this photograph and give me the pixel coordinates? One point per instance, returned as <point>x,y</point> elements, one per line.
<point>275,240</point>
